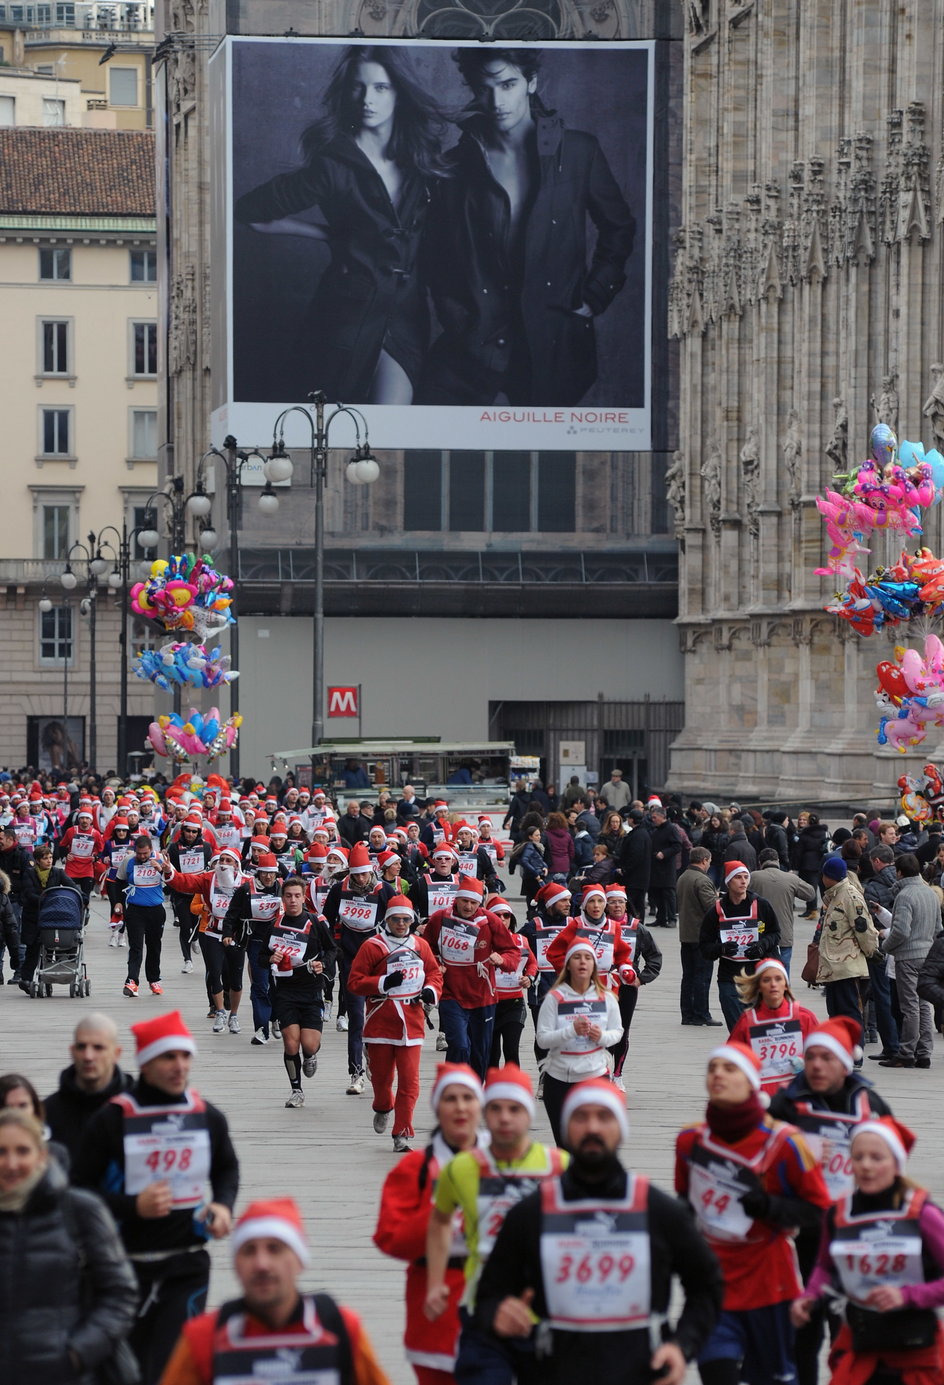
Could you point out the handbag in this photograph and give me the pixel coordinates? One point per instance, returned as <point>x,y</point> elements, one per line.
<point>811,965</point>
<point>903,1329</point>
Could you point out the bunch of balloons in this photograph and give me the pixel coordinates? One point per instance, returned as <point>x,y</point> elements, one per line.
<point>910,695</point>
<point>184,593</point>
<point>178,663</point>
<point>914,586</point>
<point>198,735</point>
<point>886,492</point>
<point>923,799</point>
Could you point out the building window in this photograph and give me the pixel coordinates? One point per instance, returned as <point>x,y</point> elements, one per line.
<point>55,635</point>
<point>144,348</point>
<point>55,263</point>
<point>56,531</point>
<point>143,266</point>
<point>7,109</point>
<point>65,14</point>
<point>144,434</point>
<point>490,492</point>
<point>55,432</point>
<point>123,86</point>
<point>422,490</point>
<point>54,348</point>
<point>54,111</point>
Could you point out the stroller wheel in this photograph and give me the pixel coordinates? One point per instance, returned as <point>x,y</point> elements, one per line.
<point>48,988</point>
<point>74,989</point>
<point>87,986</point>
<point>33,990</point>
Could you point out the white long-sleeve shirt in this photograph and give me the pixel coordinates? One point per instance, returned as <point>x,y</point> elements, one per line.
<point>571,1058</point>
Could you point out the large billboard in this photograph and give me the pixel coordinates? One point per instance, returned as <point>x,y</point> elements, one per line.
<point>455,238</point>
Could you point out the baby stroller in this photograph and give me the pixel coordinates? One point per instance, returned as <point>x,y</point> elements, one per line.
<point>62,919</point>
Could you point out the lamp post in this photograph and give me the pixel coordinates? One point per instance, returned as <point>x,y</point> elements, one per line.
<point>46,605</point>
<point>199,504</point>
<point>362,470</point>
<point>88,606</point>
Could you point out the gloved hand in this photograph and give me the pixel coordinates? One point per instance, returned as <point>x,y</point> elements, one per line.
<point>756,1202</point>
<point>394,978</point>
<point>753,952</point>
<point>729,949</point>
<point>428,995</point>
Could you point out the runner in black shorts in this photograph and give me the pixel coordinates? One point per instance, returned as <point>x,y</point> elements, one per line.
<point>301,952</point>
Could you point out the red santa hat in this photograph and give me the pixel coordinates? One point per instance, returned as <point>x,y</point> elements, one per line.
<point>589,893</point>
<point>842,1035</point>
<point>398,904</point>
<point>359,859</point>
<point>278,828</point>
<point>266,861</point>
<point>387,858</point>
<point>598,1091</point>
<point>163,1034</point>
<point>470,888</point>
<point>226,805</point>
<point>742,1057</point>
<point>551,894</point>
<point>341,852</point>
<point>228,851</point>
<point>448,1074</point>
<point>498,904</point>
<point>580,946</point>
<point>443,851</point>
<point>898,1137</point>
<point>318,851</point>
<point>733,868</point>
<point>653,801</point>
<point>319,793</point>
<point>509,1084</point>
<point>193,819</point>
<point>484,817</point>
<point>262,843</point>
<point>83,813</point>
<point>615,892</point>
<point>771,964</point>
<point>276,1218</point>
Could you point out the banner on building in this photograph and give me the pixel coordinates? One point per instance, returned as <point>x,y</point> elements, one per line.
<point>453,238</point>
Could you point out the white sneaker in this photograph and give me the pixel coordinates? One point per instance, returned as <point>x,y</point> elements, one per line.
<point>328,1010</point>
<point>356,1084</point>
<point>113,940</point>
<point>219,1022</point>
<point>186,969</point>
<point>310,1065</point>
<point>341,1025</point>
<point>401,1144</point>
<point>234,1024</point>
<point>380,1121</point>
<point>297,1098</point>
<point>260,1037</point>
<point>276,1030</point>
<point>619,1084</point>
<point>122,940</point>
<point>441,1044</point>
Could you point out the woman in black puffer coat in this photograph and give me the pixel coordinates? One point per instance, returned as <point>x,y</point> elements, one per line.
<point>810,855</point>
<point>68,1294</point>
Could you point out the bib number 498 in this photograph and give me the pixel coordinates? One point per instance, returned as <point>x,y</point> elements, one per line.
<point>169,1160</point>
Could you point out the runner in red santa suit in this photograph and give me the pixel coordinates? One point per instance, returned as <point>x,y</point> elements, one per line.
<point>605,936</point>
<point>80,845</point>
<point>470,944</point>
<point>224,964</point>
<point>397,974</point>
<point>405,1205</point>
<point>752,1181</point>
<point>355,907</point>
<point>882,1250</point>
<point>773,1024</point>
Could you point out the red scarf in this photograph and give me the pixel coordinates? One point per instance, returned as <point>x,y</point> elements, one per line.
<point>733,1123</point>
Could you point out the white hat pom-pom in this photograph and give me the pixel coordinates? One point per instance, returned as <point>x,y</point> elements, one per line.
<point>764,1099</point>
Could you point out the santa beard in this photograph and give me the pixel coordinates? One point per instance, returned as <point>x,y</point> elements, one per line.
<point>226,877</point>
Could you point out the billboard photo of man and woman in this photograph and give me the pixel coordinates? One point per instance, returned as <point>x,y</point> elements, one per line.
<point>423,228</point>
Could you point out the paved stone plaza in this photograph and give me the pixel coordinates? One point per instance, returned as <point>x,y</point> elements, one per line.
<point>328,1157</point>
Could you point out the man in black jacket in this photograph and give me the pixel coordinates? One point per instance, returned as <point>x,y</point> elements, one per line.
<point>91,1080</point>
<point>162,1159</point>
<point>634,862</point>
<point>506,246</point>
<point>880,893</point>
<point>666,849</point>
<point>632,1237</point>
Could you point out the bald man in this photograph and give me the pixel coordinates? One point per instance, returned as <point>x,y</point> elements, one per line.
<point>92,1078</point>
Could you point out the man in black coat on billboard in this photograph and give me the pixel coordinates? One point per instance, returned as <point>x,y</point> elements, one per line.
<point>506,246</point>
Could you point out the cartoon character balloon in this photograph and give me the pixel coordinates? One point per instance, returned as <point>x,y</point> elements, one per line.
<point>185,593</point>
<point>198,735</point>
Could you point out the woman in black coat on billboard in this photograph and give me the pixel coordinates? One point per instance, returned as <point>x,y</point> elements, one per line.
<point>368,166</point>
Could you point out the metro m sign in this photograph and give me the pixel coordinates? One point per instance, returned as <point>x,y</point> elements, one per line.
<point>344,702</point>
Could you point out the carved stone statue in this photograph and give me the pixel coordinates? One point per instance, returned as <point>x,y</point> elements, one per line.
<point>710,473</point>
<point>886,407</point>
<point>837,449</point>
<point>675,487</point>
<point>792,447</point>
<point>933,407</point>
<point>749,457</point>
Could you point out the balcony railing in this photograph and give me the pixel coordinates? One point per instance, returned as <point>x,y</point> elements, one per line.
<point>490,568</point>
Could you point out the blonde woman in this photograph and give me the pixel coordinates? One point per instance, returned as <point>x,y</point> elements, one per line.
<point>578,1021</point>
<point>773,1025</point>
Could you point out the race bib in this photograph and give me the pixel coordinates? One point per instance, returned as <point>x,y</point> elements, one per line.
<point>596,1277</point>
<point>441,897</point>
<point>292,942</point>
<point>511,980</point>
<point>82,848</point>
<point>601,941</point>
<point>876,1260</point>
<point>592,1009</point>
<point>744,937</point>
<point>147,876</point>
<point>457,942</point>
<point>543,938</point>
<point>715,1189</point>
<point>191,862</point>
<point>779,1046</point>
<point>830,1148</point>
<point>414,973</point>
<point>265,907</point>
<point>358,914</point>
<point>175,1149</point>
